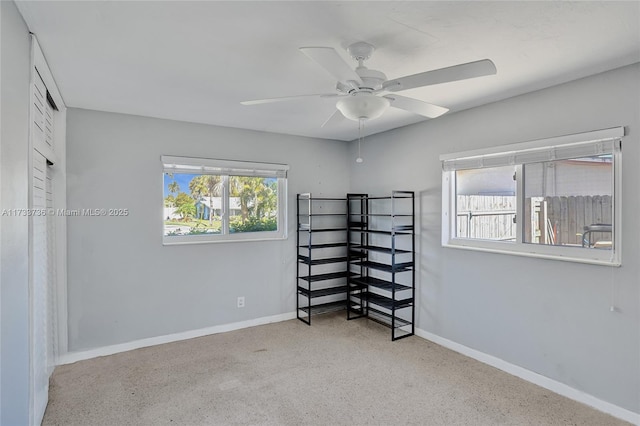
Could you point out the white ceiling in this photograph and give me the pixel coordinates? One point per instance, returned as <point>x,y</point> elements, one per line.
<point>195,61</point>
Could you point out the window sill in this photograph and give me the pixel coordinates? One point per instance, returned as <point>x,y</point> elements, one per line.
<point>234,238</point>
<point>520,250</point>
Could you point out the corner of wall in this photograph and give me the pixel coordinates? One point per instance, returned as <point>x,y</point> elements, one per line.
<point>14,309</point>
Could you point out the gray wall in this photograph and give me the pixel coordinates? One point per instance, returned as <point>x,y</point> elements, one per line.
<point>123,284</point>
<point>14,275</point>
<point>550,317</point>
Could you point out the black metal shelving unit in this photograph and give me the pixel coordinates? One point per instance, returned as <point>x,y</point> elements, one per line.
<point>322,256</point>
<point>381,260</point>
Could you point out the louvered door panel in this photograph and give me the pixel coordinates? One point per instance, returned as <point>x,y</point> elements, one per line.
<point>38,112</point>
<point>52,320</point>
<point>40,283</point>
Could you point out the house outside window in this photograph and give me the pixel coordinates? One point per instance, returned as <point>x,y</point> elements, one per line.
<point>209,200</point>
<point>555,198</point>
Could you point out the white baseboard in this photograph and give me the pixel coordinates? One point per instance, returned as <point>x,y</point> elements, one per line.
<point>535,378</point>
<point>71,357</point>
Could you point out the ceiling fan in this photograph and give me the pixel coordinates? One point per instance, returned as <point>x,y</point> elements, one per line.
<point>365,94</point>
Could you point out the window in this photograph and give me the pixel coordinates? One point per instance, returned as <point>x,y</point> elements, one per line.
<point>555,198</point>
<point>486,203</point>
<point>208,200</point>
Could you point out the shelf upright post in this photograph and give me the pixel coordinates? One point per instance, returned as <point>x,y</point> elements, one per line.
<point>364,241</point>
<point>309,243</point>
<point>297,255</point>
<point>349,254</point>
<point>393,263</point>
<point>413,261</point>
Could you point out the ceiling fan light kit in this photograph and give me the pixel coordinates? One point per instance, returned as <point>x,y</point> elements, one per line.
<point>362,105</point>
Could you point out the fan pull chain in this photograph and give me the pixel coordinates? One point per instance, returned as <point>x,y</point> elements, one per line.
<point>360,130</point>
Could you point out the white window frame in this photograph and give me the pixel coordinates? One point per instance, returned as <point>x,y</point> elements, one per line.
<point>226,168</point>
<point>599,141</point>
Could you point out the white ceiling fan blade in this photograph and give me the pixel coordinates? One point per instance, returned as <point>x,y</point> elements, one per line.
<point>335,118</point>
<point>442,75</point>
<point>328,58</point>
<point>416,106</point>
<point>289,98</point>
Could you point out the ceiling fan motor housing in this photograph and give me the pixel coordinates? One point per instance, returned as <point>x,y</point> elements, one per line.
<point>371,79</point>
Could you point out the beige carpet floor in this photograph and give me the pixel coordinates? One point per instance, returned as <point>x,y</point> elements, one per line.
<point>335,372</point>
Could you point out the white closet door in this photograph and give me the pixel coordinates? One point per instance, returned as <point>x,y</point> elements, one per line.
<point>40,286</point>
<point>52,320</point>
<point>42,291</point>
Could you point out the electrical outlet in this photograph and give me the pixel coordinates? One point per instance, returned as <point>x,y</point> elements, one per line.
<point>241,302</point>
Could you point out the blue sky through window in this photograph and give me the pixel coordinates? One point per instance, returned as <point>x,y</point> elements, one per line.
<point>183,180</point>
